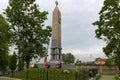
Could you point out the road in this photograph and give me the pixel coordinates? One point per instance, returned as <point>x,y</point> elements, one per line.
<point>107,77</point>
<point>4,78</point>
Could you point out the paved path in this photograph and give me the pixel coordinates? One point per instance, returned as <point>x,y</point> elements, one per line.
<point>107,77</point>
<point>5,78</point>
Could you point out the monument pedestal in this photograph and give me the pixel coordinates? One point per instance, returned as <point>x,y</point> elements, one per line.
<point>71,66</point>
<point>54,64</point>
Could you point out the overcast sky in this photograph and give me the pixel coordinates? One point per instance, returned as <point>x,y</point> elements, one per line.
<point>78,36</point>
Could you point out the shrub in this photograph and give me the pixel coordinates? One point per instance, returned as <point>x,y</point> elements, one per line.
<point>51,74</point>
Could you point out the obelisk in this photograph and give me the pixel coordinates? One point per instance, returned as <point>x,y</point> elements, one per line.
<point>56,36</point>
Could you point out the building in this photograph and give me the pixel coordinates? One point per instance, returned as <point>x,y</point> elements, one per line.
<point>100,61</point>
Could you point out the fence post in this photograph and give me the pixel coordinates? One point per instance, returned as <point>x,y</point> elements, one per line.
<point>27,75</point>
<point>84,73</point>
<point>47,74</point>
<point>12,74</point>
<point>75,75</point>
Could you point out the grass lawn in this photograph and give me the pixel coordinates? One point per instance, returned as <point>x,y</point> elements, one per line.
<point>108,73</point>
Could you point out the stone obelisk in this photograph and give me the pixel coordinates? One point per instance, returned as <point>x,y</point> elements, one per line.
<point>56,36</point>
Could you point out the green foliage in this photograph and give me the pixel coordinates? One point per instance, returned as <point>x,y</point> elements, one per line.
<point>4,43</point>
<point>69,58</point>
<point>3,61</point>
<point>53,74</point>
<point>4,34</point>
<point>97,59</point>
<point>78,62</point>
<point>98,77</point>
<point>13,62</point>
<point>109,28</point>
<point>27,28</point>
<point>117,77</point>
<point>108,62</point>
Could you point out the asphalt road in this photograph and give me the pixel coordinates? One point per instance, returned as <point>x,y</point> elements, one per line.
<point>4,78</point>
<point>107,78</point>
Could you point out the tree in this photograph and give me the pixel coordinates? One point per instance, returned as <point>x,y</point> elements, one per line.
<point>78,62</point>
<point>4,43</point>
<point>3,62</point>
<point>109,28</point>
<point>97,58</point>
<point>68,57</point>
<point>27,28</point>
<point>108,63</point>
<point>13,63</point>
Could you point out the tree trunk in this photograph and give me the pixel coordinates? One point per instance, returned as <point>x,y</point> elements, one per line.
<point>28,62</point>
<point>20,64</point>
<point>12,73</point>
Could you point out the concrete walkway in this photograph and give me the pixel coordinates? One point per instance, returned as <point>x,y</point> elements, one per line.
<point>5,78</point>
<point>107,77</point>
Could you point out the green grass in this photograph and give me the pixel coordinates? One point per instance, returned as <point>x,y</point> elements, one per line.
<point>53,74</point>
<point>117,77</point>
<point>108,73</point>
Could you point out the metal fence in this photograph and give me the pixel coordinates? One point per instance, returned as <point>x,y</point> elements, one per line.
<point>52,74</point>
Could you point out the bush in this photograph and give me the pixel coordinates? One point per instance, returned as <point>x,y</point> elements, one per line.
<point>51,74</point>
<point>117,77</point>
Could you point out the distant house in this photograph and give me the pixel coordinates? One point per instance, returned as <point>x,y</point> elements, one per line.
<point>100,64</point>
<point>88,63</point>
<point>100,61</point>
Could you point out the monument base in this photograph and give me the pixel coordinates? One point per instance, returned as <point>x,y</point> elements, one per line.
<point>55,64</point>
<point>71,66</point>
